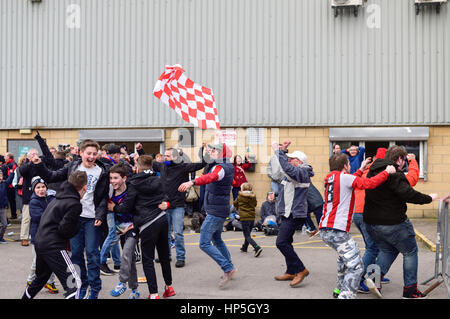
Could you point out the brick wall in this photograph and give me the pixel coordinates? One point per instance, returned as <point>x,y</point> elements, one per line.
<point>314,142</point>
<point>53,137</point>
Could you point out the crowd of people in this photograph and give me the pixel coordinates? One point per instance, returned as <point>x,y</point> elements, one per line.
<point>82,205</point>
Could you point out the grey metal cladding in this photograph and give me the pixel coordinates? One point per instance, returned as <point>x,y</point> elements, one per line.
<point>270,62</point>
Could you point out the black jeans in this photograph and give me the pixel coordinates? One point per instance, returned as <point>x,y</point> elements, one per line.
<point>284,243</point>
<point>155,236</point>
<point>247,227</point>
<point>11,193</point>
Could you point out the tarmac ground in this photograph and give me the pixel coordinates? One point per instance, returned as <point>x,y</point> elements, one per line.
<point>199,279</point>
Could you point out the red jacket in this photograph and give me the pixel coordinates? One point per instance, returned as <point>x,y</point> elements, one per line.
<point>239,174</point>
<point>11,168</point>
<point>412,177</point>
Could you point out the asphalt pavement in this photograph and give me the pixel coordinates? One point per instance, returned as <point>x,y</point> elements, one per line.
<point>199,279</point>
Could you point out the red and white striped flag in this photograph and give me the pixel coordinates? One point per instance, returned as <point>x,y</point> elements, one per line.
<point>193,102</point>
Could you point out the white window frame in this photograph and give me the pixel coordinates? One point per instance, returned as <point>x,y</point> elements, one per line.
<point>391,134</point>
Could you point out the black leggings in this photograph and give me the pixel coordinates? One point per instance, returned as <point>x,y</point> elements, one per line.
<point>247,227</point>
<point>155,236</point>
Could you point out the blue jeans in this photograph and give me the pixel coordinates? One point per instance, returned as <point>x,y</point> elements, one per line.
<point>392,240</point>
<point>88,237</point>
<point>235,191</point>
<point>211,231</point>
<point>372,251</point>
<point>175,217</point>
<point>201,200</point>
<point>284,242</point>
<point>111,242</point>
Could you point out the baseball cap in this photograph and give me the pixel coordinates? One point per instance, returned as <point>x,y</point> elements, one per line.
<point>217,147</point>
<point>299,155</point>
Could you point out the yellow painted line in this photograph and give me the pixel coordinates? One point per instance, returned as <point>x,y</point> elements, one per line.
<point>425,240</point>
<point>295,245</point>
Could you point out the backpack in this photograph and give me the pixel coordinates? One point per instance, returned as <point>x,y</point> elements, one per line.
<point>197,221</point>
<point>191,195</point>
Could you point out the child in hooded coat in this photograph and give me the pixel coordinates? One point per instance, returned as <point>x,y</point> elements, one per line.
<point>246,203</point>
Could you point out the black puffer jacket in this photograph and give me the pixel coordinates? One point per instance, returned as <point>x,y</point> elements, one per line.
<point>172,176</point>
<point>60,220</point>
<point>27,170</point>
<point>144,194</point>
<point>386,204</point>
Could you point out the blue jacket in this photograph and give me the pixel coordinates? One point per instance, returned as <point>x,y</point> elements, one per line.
<point>314,198</point>
<point>292,197</point>
<point>37,208</point>
<point>217,194</point>
<point>3,190</point>
<point>355,161</point>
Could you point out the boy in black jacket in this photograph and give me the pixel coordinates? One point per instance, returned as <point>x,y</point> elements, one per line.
<point>386,220</point>
<point>146,200</point>
<point>58,224</point>
<point>175,171</point>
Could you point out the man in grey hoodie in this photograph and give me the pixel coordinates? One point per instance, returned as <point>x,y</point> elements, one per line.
<point>292,207</point>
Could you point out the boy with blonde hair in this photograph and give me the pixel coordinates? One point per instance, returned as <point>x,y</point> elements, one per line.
<point>245,204</point>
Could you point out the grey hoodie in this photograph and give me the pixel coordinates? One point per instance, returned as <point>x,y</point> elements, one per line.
<point>292,198</point>
<point>274,170</point>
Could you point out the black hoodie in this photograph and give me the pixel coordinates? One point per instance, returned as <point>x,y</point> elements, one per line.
<point>60,220</point>
<point>144,194</point>
<point>386,204</point>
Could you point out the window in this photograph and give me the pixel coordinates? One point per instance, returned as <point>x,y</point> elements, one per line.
<point>414,139</point>
<point>186,137</point>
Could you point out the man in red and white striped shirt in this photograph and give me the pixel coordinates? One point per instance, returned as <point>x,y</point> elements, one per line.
<point>337,217</point>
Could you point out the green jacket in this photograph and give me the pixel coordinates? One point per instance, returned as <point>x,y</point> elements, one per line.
<point>245,204</point>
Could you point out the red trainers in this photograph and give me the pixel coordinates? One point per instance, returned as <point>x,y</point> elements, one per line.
<point>169,292</point>
<point>153,297</point>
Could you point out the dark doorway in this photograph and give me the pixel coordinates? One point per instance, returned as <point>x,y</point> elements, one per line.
<point>150,148</point>
<point>372,147</point>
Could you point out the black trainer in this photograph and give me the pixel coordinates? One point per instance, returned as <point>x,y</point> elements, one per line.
<point>104,270</point>
<point>258,251</point>
<point>179,263</point>
<point>411,292</point>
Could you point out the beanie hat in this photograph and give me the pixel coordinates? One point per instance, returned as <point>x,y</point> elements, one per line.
<point>37,180</point>
<point>381,152</point>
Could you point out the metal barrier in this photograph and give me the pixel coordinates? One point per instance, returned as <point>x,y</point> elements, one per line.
<point>442,260</point>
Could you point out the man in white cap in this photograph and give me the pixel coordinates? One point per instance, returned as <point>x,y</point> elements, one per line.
<point>292,208</point>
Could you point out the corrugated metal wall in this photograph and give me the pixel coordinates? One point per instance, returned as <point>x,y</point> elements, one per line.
<point>270,62</point>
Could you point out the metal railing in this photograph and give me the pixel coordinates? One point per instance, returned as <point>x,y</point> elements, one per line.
<point>442,259</point>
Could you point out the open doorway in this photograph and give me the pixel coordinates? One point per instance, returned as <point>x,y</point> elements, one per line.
<point>373,146</point>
